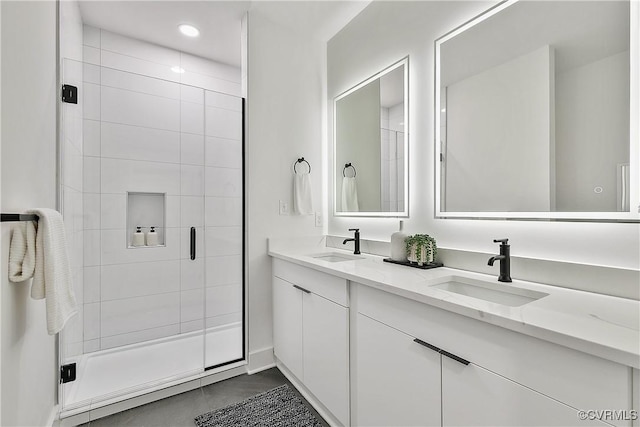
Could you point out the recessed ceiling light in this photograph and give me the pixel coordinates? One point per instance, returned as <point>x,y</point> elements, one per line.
<point>189,30</point>
<point>177,69</point>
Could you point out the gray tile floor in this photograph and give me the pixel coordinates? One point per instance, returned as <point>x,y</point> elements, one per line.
<point>180,410</point>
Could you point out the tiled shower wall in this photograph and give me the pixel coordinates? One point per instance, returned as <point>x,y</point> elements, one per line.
<point>148,129</point>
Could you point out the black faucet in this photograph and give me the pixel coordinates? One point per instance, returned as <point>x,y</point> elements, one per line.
<point>355,239</point>
<point>505,260</point>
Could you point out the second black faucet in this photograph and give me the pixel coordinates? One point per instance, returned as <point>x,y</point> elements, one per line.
<point>355,240</point>
<point>505,260</point>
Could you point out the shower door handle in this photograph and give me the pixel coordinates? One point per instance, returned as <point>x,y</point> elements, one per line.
<point>193,243</point>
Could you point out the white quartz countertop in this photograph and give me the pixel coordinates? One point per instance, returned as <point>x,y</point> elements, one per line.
<point>601,325</point>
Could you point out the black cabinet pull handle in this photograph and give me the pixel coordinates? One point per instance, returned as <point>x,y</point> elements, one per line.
<point>441,351</point>
<point>302,289</point>
<point>193,243</point>
<point>454,357</point>
<point>426,344</point>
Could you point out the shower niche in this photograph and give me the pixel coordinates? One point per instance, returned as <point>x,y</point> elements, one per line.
<point>146,212</point>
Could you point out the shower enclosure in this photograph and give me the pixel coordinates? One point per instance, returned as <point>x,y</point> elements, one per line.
<point>141,150</point>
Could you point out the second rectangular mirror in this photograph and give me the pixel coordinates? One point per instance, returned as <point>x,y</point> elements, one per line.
<point>370,146</point>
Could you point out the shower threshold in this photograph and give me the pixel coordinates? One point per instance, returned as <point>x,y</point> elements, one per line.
<point>123,372</point>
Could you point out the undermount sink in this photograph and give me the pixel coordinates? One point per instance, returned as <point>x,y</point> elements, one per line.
<point>489,291</point>
<point>335,257</point>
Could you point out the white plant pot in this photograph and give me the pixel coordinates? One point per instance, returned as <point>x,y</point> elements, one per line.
<point>423,255</point>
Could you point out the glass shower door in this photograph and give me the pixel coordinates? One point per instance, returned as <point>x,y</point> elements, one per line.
<point>224,224</point>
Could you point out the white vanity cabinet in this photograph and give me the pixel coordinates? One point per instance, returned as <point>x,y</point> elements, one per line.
<point>311,332</point>
<point>419,365</point>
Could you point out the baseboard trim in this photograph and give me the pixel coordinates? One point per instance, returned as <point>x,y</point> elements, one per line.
<point>260,359</point>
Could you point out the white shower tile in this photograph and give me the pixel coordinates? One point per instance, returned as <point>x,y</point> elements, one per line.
<point>139,109</point>
<point>91,138</point>
<point>91,36</point>
<point>207,67</point>
<point>91,284</point>
<point>224,270</point>
<point>192,305</point>
<point>113,211</point>
<point>91,321</point>
<point>139,49</point>
<point>115,250</point>
<point>192,273</point>
<point>196,325</point>
<point>211,83</point>
<point>223,182</point>
<point>222,100</point>
<point>191,149</point>
<point>91,100</point>
<point>223,153</point>
<point>91,73</point>
<point>139,66</point>
<point>191,94</point>
<point>139,336</point>
<point>120,176</point>
<point>73,350</point>
<point>192,211</point>
<point>223,241</point>
<point>139,143</point>
<point>74,329</point>
<point>91,175</point>
<point>223,211</point>
<point>139,279</point>
<point>139,83</point>
<point>223,123</point>
<point>225,319</point>
<point>192,180</point>
<point>172,211</point>
<point>136,314</point>
<point>185,243</point>
<point>223,300</point>
<point>192,118</point>
<point>91,247</point>
<point>91,55</point>
<point>91,345</point>
<point>91,211</point>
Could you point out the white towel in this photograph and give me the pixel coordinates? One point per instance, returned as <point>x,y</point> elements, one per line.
<point>349,194</point>
<point>22,252</point>
<point>302,204</point>
<point>52,272</point>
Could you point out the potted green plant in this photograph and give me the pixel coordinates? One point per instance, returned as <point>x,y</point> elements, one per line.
<point>421,248</point>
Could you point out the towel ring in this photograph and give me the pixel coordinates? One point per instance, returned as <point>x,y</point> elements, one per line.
<point>300,160</point>
<point>349,165</point>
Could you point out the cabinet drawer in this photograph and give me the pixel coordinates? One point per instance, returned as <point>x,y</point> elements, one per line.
<point>330,287</point>
<point>575,378</point>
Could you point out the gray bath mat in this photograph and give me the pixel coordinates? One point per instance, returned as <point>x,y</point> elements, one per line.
<point>279,407</point>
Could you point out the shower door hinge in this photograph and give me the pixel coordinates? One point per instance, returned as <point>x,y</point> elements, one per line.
<point>68,373</point>
<point>69,94</point>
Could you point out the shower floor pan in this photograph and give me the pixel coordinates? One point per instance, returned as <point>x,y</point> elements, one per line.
<point>107,374</point>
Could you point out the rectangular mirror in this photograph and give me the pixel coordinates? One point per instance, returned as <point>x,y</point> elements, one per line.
<point>537,113</point>
<point>370,137</point>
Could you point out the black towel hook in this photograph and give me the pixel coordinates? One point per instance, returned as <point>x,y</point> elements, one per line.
<point>349,165</point>
<point>300,160</point>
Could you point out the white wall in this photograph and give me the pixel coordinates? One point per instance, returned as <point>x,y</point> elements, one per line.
<point>29,95</point>
<point>592,133</point>
<point>498,142</point>
<point>285,106</point>
<point>387,31</point>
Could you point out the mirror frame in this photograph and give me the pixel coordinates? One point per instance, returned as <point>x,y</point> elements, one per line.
<point>634,136</point>
<point>405,212</point>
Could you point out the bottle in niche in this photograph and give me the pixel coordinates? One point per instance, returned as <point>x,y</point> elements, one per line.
<point>138,237</point>
<point>398,247</point>
<point>152,237</point>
